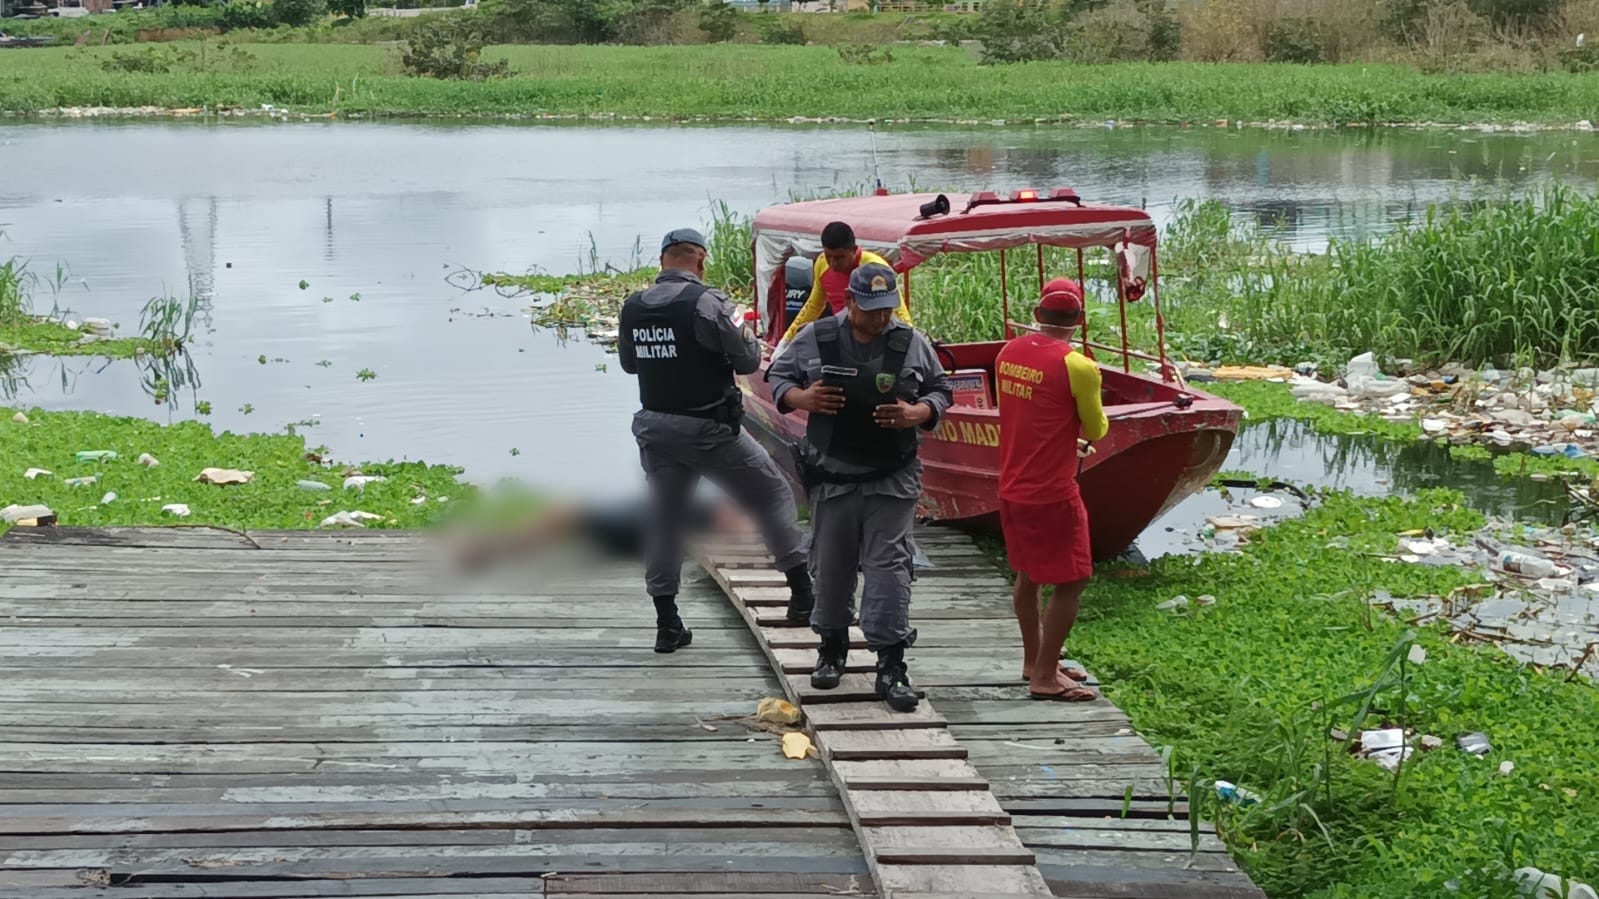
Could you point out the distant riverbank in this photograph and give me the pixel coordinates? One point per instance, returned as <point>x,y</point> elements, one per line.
<point>775,83</point>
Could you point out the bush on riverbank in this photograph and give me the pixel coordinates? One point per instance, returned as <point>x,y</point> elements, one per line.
<point>774,83</point>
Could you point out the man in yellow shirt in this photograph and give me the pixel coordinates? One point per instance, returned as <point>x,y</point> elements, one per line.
<point>830,278</point>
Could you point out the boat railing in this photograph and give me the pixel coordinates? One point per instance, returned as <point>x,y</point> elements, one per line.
<point>1168,371</point>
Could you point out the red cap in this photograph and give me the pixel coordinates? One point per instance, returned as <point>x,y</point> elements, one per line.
<point>1062,295</point>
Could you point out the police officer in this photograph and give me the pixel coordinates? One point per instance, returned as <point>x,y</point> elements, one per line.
<point>680,337</point>
<point>868,381</point>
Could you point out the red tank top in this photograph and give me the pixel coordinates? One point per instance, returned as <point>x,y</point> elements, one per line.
<point>1038,421</point>
<point>836,285</point>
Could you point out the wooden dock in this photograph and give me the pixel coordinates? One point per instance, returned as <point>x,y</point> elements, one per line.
<point>184,714</point>
<point>195,713</point>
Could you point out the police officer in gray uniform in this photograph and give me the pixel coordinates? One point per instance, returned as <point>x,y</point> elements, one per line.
<point>868,383</point>
<point>679,337</point>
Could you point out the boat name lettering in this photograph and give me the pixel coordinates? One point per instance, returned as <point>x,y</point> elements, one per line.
<point>969,432</point>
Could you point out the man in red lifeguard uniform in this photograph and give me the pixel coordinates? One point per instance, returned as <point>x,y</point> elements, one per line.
<point>1048,401</point>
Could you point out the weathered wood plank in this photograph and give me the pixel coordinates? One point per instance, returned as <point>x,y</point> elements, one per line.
<point>909,774</point>
<point>1014,880</point>
<point>915,743</point>
<point>803,661</point>
<point>946,845</point>
<point>853,687</point>
<point>751,884</point>
<point>870,716</point>
<point>887,808</point>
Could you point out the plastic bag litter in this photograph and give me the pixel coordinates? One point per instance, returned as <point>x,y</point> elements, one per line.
<point>147,460</point>
<point>772,710</point>
<point>797,746</point>
<point>224,476</point>
<point>15,513</point>
<point>20,419</point>
<point>32,473</point>
<point>349,519</point>
<point>179,509</point>
<point>359,482</point>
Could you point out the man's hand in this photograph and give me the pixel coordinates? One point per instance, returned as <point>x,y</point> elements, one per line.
<point>1084,448</point>
<point>900,414</point>
<point>817,398</point>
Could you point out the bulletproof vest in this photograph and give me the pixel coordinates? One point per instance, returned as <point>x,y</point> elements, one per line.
<point>675,373</point>
<point>852,435</point>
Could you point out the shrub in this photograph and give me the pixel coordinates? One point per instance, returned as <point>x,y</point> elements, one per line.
<point>1022,30</point>
<point>1110,32</point>
<point>298,13</point>
<point>785,32</point>
<point>246,14</point>
<point>352,9</point>
<point>719,21</point>
<point>1297,40</point>
<point>1225,30</point>
<point>450,46</point>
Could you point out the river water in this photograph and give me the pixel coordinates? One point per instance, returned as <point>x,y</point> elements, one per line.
<point>238,214</point>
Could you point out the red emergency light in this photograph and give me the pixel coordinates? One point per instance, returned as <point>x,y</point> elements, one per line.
<point>1024,195</point>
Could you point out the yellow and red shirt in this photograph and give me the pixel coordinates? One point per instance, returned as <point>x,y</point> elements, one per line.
<point>1048,397</point>
<point>830,290</point>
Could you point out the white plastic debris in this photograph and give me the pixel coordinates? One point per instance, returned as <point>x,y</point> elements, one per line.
<point>1434,425</point>
<point>108,499</point>
<point>1418,654</point>
<point>1430,743</point>
<point>1386,747</point>
<point>359,482</point>
<point>179,509</point>
<point>82,482</point>
<point>15,513</point>
<point>1540,885</point>
<point>419,501</point>
<point>349,519</point>
<point>1266,502</point>
<point>20,419</point>
<point>311,485</point>
<point>147,460</point>
<point>1205,600</point>
<point>98,325</point>
<point>32,473</point>
<point>1506,766</point>
<point>1365,380</point>
<point>1176,602</point>
<point>223,476</point>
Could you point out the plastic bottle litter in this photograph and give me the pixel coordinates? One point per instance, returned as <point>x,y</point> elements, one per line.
<point>82,482</point>
<point>97,455</point>
<point>1229,792</point>
<point>14,513</point>
<point>312,485</point>
<point>1474,743</point>
<point>1176,602</point>
<point>1521,563</point>
<point>1541,885</point>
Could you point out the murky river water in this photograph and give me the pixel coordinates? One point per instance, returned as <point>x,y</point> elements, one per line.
<point>239,214</point>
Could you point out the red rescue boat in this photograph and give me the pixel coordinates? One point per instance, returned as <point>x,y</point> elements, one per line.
<point>1166,440</point>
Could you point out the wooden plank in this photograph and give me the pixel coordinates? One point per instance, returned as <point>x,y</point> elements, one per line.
<point>915,743</point>
<point>886,808</point>
<point>805,638</point>
<point>853,687</point>
<point>1013,880</point>
<point>803,661</point>
<point>750,884</point>
<point>909,774</point>
<point>946,845</point>
<point>1172,882</point>
<point>870,716</point>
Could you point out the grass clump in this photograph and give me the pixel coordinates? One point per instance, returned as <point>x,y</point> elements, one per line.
<point>772,83</point>
<point>1247,690</point>
<point>273,499</point>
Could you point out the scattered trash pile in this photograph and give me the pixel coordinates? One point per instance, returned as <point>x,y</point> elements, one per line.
<point>1549,412</point>
<point>1538,600</point>
<point>38,515</point>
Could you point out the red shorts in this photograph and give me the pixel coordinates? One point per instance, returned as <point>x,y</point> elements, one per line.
<point>1048,542</point>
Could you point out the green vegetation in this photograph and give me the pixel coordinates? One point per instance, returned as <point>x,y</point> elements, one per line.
<point>775,83</point>
<point>51,441</point>
<point>1247,690</point>
<point>21,328</point>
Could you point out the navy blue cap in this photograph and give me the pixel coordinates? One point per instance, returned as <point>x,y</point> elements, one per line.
<point>874,287</point>
<point>682,235</point>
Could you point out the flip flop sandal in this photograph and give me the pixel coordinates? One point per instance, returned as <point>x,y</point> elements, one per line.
<point>1070,694</point>
<point>1075,674</point>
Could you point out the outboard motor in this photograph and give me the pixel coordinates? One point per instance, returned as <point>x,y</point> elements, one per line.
<point>796,286</point>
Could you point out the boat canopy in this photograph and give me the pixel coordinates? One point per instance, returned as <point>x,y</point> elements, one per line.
<point>895,227</point>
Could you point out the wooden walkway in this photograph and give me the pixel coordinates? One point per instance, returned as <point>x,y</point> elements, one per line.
<point>184,714</point>
<point>1002,794</point>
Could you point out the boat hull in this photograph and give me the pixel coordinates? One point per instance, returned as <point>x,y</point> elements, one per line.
<point>1156,455</point>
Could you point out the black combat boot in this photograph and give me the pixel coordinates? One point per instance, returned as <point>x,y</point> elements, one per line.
<point>893,683</point>
<point>801,600</point>
<point>830,659</point>
<point>670,633</point>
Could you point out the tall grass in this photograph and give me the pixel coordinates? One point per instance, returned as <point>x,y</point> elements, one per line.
<point>1505,282</point>
<point>772,83</point>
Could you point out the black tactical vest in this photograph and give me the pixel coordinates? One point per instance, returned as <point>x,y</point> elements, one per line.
<point>852,435</point>
<point>676,373</point>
